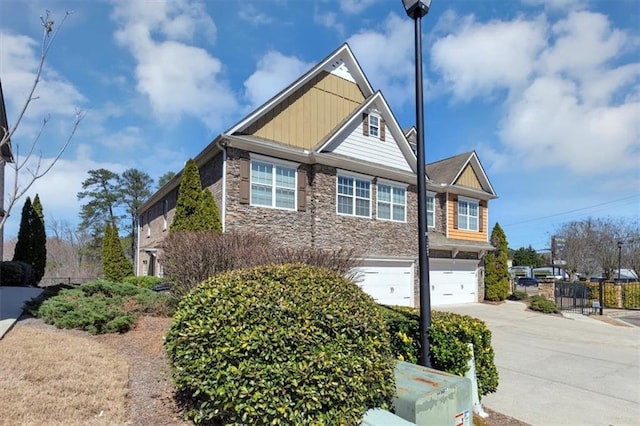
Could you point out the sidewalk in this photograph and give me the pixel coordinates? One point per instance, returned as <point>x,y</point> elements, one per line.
<point>12,300</point>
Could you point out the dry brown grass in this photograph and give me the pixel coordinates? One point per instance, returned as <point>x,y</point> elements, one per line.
<point>59,378</point>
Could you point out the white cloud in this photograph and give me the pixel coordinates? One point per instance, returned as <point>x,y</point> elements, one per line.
<point>557,4</point>
<point>356,6</point>
<point>176,77</point>
<point>329,20</point>
<point>480,58</point>
<point>387,58</point>
<point>250,14</point>
<point>274,72</point>
<point>569,98</point>
<point>19,60</point>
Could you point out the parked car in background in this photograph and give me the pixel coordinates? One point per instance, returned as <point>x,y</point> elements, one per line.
<point>527,282</point>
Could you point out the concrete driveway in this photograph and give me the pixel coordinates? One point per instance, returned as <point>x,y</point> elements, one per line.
<point>12,300</point>
<point>561,371</point>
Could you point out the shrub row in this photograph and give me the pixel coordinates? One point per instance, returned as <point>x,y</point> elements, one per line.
<point>630,294</point>
<point>19,274</point>
<point>449,335</point>
<point>99,307</point>
<point>280,344</point>
<point>144,281</point>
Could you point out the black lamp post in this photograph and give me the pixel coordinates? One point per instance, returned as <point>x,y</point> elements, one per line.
<point>619,258</point>
<point>416,9</point>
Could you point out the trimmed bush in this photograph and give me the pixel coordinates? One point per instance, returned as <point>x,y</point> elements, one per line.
<point>449,334</point>
<point>631,295</point>
<point>610,299</point>
<point>18,274</point>
<point>145,281</point>
<point>280,344</point>
<point>99,307</point>
<point>518,295</point>
<point>541,304</point>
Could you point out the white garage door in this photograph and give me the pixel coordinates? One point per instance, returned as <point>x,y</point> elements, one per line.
<point>452,282</point>
<point>389,283</point>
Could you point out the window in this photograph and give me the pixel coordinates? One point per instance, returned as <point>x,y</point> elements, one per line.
<point>273,185</point>
<point>431,211</point>
<point>374,125</point>
<point>468,214</point>
<point>392,202</point>
<point>354,196</point>
<point>165,211</point>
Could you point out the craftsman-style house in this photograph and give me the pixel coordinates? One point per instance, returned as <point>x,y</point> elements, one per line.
<point>325,164</point>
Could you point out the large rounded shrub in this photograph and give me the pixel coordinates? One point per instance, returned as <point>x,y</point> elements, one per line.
<point>280,344</point>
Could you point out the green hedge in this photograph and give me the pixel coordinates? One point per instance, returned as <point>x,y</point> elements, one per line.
<point>610,294</point>
<point>542,304</point>
<point>449,335</point>
<point>280,344</point>
<point>99,307</point>
<point>631,295</point>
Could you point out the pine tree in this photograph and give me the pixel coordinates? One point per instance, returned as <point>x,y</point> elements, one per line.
<point>196,210</point>
<point>22,251</point>
<point>496,278</point>
<point>115,265</point>
<point>39,238</point>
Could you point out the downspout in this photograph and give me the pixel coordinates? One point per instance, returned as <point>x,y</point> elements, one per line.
<point>223,213</point>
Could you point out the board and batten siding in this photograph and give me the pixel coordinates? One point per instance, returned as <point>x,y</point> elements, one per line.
<point>371,148</point>
<point>469,178</point>
<point>463,234</point>
<point>310,113</point>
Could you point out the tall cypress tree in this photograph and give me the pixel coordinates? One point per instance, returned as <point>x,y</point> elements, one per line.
<point>39,238</point>
<point>196,210</point>
<point>23,249</point>
<point>496,278</point>
<point>115,265</point>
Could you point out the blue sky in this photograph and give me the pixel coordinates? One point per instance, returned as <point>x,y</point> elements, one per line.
<point>546,91</point>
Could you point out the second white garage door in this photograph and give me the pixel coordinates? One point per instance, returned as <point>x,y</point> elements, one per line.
<point>453,282</point>
<point>389,283</point>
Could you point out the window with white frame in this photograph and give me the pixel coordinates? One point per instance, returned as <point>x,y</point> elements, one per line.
<point>273,184</point>
<point>374,125</point>
<point>468,214</point>
<point>392,202</point>
<point>354,195</point>
<point>431,210</point>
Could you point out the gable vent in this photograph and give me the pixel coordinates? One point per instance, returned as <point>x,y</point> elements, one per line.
<point>339,69</point>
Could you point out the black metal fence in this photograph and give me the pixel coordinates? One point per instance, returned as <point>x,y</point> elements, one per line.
<point>51,281</point>
<point>574,297</point>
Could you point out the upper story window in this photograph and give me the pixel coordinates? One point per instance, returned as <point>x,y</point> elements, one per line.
<point>373,125</point>
<point>431,210</point>
<point>273,184</point>
<point>468,214</point>
<point>354,195</point>
<point>392,202</point>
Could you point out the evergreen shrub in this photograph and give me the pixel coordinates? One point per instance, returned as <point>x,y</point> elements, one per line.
<point>18,274</point>
<point>144,281</point>
<point>100,307</point>
<point>449,335</point>
<point>280,344</point>
<point>541,304</point>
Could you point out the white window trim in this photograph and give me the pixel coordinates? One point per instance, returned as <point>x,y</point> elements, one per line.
<point>469,201</point>
<point>392,184</point>
<point>274,162</point>
<point>358,176</point>
<point>371,126</point>
<point>433,195</point>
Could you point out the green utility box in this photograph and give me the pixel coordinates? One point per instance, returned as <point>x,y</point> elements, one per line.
<point>430,397</point>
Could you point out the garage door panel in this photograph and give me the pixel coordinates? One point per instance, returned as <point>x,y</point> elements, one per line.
<point>449,287</point>
<point>389,285</point>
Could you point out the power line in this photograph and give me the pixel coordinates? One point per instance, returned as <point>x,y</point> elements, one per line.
<point>571,211</point>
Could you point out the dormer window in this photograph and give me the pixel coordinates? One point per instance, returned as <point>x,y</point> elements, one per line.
<point>373,126</point>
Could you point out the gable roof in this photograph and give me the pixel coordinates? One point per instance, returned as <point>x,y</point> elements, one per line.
<point>5,149</point>
<point>379,102</point>
<point>447,172</point>
<point>341,62</point>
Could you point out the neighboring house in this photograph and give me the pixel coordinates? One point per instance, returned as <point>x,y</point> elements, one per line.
<point>325,164</point>
<point>5,157</point>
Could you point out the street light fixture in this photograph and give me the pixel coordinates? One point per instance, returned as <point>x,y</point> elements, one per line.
<point>619,258</point>
<point>416,9</point>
